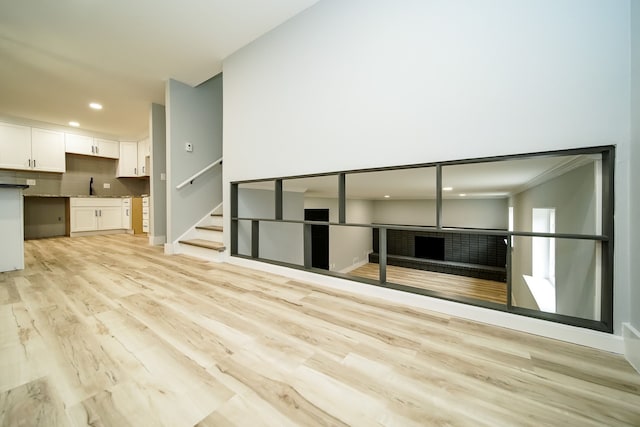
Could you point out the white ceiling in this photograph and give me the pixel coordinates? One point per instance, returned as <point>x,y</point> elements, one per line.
<point>56,56</point>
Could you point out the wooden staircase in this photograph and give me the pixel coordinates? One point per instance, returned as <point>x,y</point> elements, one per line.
<point>205,240</point>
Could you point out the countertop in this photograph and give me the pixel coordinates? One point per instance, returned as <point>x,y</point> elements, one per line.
<point>98,196</point>
<point>10,185</point>
<point>13,183</point>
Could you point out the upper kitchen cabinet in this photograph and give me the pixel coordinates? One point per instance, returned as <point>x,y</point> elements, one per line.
<point>15,146</point>
<point>89,146</point>
<point>28,148</point>
<point>128,163</point>
<point>47,150</point>
<point>107,148</point>
<point>143,157</point>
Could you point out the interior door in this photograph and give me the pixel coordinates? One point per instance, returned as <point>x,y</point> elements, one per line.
<point>319,238</point>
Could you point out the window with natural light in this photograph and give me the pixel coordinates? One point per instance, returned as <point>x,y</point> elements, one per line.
<point>543,259</point>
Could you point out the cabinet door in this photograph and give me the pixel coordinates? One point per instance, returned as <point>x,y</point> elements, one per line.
<point>126,214</point>
<point>47,150</point>
<point>107,148</point>
<point>84,219</point>
<point>78,144</point>
<point>143,150</point>
<point>15,146</point>
<point>109,217</point>
<point>128,163</point>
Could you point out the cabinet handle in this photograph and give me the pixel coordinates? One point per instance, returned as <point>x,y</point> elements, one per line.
<point>135,171</point>
<point>34,163</point>
<point>93,151</point>
<point>97,149</point>
<point>29,162</point>
<point>127,212</point>
<point>143,170</point>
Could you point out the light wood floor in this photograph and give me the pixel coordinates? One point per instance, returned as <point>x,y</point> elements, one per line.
<point>446,284</point>
<point>106,331</point>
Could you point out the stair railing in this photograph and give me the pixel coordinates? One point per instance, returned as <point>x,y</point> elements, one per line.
<point>197,175</point>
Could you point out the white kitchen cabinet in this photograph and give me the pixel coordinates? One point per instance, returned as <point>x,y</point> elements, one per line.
<point>28,148</point>
<point>107,148</point>
<point>128,162</point>
<point>47,150</point>
<point>97,214</point>
<point>126,214</point>
<point>79,144</point>
<point>143,157</point>
<point>145,214</point>
<point>89,146</point>
<point>15,146</point>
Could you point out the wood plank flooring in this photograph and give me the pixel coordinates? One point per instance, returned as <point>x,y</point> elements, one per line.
<point>446,284</point>
<point>107,331</point>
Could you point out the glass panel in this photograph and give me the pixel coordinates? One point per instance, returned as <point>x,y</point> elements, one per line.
<point>319,192</point>
<point>282,242</point>
<point>560,276</point>
<point>244,238</point>
<point>257,200</point>
<point>479,195</point>
<point>401,196</point>
<point>349,248</point>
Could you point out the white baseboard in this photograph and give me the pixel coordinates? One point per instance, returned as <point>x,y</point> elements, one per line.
<point>631,338</point>
<point>587,337</point>
<point>354,266</point>
<point>169,249</point>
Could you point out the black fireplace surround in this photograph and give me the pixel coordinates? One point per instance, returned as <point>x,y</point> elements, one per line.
<point>463,254</point>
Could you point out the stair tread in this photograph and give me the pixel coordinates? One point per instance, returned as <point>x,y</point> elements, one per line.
<point>209,227</point>
<point>209,244</point>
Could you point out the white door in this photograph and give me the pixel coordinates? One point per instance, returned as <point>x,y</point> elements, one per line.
<point>15,146</point>
<point>47,150</point>
<point>109,217</point>
<point>78,144</point>
<point>84,219</point>
<point>107,148</point>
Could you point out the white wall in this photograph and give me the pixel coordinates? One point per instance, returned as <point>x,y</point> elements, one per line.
<point>158,187</point>
<point>474,213</point>
<point>194,115</point>
<point>633,341</point>
<point>634,191</point>
<point>349,84</point>
<point>348,246</point>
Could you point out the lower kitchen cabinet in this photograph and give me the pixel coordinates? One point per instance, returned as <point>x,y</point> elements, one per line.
<point>91,214</point>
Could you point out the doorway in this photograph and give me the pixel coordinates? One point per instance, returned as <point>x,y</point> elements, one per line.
<point>319,238</point>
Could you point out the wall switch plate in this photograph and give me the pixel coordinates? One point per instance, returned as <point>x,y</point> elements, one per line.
<point>188,146</point>
<point>106,185</point>
<point>31,182</point>
<point>163,176</point>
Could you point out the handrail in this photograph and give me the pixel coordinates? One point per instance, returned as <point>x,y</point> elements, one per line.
<point>196,175</point>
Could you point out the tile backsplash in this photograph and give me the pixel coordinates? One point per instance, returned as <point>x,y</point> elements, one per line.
<point>75,181</point>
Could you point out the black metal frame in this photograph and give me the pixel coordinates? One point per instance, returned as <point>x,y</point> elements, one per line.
<point>606,238</point>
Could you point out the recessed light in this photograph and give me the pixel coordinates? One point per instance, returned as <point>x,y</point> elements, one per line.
<point>462,195</point>
<point>95,106</point>
<point>447,188</point>
<point>74,124</point>
<point>386,196</point>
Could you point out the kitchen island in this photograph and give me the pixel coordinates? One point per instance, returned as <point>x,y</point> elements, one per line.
<point>11,226</point>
